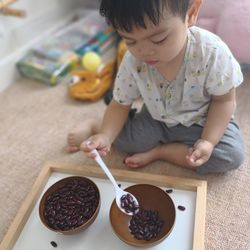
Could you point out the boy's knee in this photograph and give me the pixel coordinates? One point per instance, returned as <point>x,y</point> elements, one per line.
<point>126,145</point>
<point>237,157</point>
<point>120,146</point>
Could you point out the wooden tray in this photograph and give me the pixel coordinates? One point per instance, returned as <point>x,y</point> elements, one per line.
<point>197,186</point>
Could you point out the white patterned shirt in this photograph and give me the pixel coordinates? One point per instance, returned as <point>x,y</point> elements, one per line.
<point>209,68</point>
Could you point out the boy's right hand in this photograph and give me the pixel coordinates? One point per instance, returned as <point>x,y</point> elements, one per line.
<point>100,142</point>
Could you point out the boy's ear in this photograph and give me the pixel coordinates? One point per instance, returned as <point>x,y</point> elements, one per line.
<point>193,12</point>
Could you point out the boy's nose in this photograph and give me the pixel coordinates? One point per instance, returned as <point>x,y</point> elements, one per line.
<point>145,51</point>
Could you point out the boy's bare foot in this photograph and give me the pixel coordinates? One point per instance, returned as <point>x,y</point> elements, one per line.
<point>142,159</point>
<point>80,133</point>
<point>174,153</point>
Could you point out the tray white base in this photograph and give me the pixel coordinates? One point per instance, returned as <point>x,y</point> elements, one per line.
<point>100,236</point>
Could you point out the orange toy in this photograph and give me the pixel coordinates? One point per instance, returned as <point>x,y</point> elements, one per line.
<point>122,49</point>
<point>92,86</point>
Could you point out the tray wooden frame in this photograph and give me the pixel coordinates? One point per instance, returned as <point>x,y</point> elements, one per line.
<point>199,186</point>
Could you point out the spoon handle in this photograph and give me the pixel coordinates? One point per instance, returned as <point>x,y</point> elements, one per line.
<point>101,163</point>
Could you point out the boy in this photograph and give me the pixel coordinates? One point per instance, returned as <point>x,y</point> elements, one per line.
<point>186,77</point>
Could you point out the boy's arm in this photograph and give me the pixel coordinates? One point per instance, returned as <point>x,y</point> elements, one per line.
<point>218,117</point>
<point>114,119</point>
<point>219,114</point>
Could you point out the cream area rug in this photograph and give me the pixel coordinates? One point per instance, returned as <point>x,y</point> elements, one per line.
<point>34,122</point>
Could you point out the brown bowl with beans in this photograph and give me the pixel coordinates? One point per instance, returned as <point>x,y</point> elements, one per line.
<point>151,223</point>
<point>70,205</point>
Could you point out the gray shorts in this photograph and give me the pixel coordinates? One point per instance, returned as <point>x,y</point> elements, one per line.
<point>142,133</point>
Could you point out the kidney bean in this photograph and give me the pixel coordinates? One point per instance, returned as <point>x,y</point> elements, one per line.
<point>182,208</point>
<point>53,244</point>
<point>169,191</point>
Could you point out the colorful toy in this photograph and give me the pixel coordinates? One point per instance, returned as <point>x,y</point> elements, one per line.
<point>91,61</point>
<point>49,66</point>
<point>230,20</point>
<point>91,85</point>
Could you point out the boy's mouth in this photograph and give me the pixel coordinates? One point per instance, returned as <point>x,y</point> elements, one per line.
<point>152,62</point>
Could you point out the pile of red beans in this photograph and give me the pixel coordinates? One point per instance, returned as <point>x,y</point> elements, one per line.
<point>71,205</point>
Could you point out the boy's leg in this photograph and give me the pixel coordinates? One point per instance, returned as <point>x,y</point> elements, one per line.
<point>150,140</point>
<point>80,133</point>
<point>146,139</point>
<point>227,155</point>
<point>168,146</point>
<point>171,152</point>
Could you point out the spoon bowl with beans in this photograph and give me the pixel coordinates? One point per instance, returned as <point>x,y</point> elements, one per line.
<point>125,201</point>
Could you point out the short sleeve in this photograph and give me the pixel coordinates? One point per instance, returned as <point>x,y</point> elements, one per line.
<point>224,72</point>
<point>125,88</point>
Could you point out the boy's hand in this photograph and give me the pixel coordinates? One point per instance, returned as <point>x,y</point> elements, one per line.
<point>199,153</point>
<point>100,142</point>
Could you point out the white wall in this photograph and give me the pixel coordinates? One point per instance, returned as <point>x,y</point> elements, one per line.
<point>15,32</point>
<point>18,34</point>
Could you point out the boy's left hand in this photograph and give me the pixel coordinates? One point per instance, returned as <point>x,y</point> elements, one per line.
<point>199,153</point>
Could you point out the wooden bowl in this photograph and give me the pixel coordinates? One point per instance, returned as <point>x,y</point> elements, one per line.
<point>150,198</point>
<point>63,207</point>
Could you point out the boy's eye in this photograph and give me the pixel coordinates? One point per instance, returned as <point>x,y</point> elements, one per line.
<point>160,41</point>
<point>130,43</point>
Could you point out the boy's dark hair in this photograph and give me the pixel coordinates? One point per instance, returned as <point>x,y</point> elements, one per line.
<point>124,14</point>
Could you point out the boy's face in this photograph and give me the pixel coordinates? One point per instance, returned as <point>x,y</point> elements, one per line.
<point>158,45</point>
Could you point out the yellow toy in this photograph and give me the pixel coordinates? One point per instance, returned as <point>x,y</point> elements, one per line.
<point>91,61</point>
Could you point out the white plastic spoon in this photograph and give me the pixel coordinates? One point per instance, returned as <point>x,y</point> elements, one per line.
<point>120,193</point>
